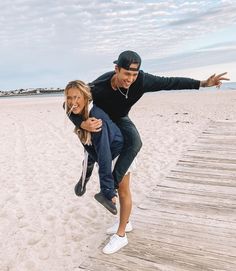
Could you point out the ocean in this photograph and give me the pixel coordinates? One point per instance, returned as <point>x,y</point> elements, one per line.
<point>224,87</point>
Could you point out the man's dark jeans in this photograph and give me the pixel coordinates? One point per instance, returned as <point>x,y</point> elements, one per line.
<point>132,145</point>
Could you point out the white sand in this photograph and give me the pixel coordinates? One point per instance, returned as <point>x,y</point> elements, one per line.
<point>43,225</point>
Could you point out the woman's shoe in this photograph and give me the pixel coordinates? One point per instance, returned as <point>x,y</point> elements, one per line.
<point>79,188</point>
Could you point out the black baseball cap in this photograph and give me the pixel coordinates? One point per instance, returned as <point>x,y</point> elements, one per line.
<point>127,58</point>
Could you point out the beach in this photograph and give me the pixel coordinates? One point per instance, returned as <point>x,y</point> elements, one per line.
<point>43,224</point>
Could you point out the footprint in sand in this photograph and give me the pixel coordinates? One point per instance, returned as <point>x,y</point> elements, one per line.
<point>60,231</point>
<point>22,223</point>
<point>50,217</point>
<point>65,218</point>
<point>27,266</point>
<point>34,239</point>
<point>20,214</point>
<point>67,250</point>
<point>44,252</point>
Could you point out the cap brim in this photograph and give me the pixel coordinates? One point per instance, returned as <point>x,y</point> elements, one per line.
<point>115,62</point>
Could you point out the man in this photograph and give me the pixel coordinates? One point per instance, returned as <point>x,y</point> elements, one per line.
<point>116,92</point>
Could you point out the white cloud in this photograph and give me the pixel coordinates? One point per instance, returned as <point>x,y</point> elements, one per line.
<point>52,34</point>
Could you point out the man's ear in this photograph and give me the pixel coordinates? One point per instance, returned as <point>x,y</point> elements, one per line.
<point>116,69</point>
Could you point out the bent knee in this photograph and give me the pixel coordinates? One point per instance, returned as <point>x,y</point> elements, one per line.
<point>136,146</point>
<point>139,145</point>
<point>123,195</point>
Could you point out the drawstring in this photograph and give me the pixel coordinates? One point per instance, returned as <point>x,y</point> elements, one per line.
<point>85,164</point>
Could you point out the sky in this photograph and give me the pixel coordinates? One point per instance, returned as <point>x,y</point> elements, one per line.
<point>46,43</point>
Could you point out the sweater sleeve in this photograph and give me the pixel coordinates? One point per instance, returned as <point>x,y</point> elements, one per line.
<point>101,145</point>
<point>76,119</point>
<point>153,83</point>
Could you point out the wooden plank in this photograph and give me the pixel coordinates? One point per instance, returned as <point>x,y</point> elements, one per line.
<point>211,171</point>
<point>217,137</point>
<point>188,195</point>
<point>208,159</point>
<point>205,166</point>
<point>210,211</point>
<point>143,211</point>
<point>203,175</point>
<point>215,132</point>
<point>211,154</point>
<point>209,188</point>
<point>180,177</point>
<point>183,228</point>
<point>212,149</point>
<point>207,142</point>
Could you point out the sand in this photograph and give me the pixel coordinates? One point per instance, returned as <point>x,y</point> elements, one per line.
<point>43,225</point>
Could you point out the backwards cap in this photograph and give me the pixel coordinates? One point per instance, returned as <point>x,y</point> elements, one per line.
<point>127,58</point>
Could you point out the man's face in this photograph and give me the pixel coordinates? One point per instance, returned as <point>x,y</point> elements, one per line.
<point>125,78</point>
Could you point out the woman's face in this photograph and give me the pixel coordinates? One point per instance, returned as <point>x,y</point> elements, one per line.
<point>75,100</point>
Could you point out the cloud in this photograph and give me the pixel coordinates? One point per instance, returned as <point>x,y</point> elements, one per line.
<point>193,59</point>
<point>97,24</point>
<point>42,34</point>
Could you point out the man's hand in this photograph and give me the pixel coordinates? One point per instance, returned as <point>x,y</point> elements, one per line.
<point>214,80</point>
<point>92,125</point>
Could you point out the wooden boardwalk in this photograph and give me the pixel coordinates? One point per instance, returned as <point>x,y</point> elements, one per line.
<point>188,222</point>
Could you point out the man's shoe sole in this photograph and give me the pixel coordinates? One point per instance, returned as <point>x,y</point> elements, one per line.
<point>108,204</point>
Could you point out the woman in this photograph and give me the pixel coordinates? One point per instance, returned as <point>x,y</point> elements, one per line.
<point>102,146</point>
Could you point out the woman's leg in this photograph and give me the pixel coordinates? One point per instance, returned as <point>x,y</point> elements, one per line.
<point>125,203</point>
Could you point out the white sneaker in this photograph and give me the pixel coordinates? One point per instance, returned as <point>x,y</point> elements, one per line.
<point>113,229</point>
<point>116,243</point>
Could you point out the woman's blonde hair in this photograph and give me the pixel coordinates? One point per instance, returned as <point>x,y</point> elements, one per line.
<point>84,89</point>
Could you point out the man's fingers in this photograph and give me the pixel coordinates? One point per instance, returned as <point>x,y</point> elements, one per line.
<point>221,74</point>
<point>95,120</point>
<point>97,124</point>
<point>223,78</point>
<point>97,129</point>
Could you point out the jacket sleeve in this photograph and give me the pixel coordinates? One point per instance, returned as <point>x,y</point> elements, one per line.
<point>76,119</point>
<point>156,83</point>
<point>102,147</point>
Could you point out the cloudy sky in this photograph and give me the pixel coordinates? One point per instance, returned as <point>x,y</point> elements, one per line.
<point>45,43</point>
